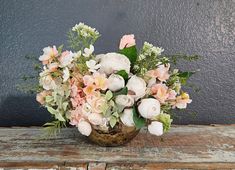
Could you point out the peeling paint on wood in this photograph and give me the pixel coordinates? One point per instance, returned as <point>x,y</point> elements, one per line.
<point>184,146</point>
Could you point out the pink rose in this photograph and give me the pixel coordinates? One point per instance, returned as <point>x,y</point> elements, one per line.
<point>75,116</point>
<point>127,41</point>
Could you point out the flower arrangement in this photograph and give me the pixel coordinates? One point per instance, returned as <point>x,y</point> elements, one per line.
<point>135,88</point>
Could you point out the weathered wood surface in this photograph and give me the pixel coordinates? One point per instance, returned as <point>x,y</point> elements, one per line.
<point>187,147</point>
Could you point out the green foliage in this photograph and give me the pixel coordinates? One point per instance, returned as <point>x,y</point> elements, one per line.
<point>130,52</point>
<point>139,121</point>
<point>176,57</point>
<point>51,129</point>
<point>166,121</point>
<point>123,73</point>
<point>184,76</point>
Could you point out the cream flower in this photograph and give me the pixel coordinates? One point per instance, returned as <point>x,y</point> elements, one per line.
<point>84,128</point>
<point>149,108</point>
<point>66,74</point>
<point>127,117</point>
<point>46,80</point>
<point>101,82</point>
<point>88,51</point>
<point>127,41</point>
<point>112,62</point>
<point>66,58</point>
<point>156,128</point>
<point>115,82</point>
<point>48,55</point>
<point>182,101</point>
<point>95,118</point>
<point>137,85</point>
<point>93,67</point>
<point>124,100</point>
<point>97,103</point>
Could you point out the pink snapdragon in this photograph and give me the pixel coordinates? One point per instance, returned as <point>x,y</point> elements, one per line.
<point>161,73</point>
<point>48,55</point>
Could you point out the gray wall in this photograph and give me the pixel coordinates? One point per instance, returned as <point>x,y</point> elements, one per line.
<point>199,27</point>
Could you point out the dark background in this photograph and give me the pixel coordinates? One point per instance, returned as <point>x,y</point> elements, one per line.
<point>199,27</point>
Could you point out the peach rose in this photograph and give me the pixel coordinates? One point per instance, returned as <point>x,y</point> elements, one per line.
<point>101,82</point>
<point>75,116</point>
<point>127,41</point>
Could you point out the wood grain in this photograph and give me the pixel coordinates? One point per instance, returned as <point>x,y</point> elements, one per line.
<point>195,147</point>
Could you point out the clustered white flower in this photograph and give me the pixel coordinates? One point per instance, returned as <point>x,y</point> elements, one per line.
<point>85,30</point>
<point>149,49</point>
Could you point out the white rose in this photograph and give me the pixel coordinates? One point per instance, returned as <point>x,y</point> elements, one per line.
<point>127,118</point>
<point>95,119</point>
<point>149,108</point>
<point>124,100</point>
<point>156,128</point>
<point>137,85</point>
<point>112,62</point>
<point>84,128</point>
<point>46,80</point>
<point>115,82</point>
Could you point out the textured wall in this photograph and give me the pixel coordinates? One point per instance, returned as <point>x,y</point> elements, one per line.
<point>199,27</point>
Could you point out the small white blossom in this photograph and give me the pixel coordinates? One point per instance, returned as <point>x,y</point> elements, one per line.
<point>66,74</point>
<point>91,64</point>
<point>85,30</point>
<point>88,51</point>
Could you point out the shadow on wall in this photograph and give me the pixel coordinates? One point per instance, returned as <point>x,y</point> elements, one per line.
<point>22,111</point>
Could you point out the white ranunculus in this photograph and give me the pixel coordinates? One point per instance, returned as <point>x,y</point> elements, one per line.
<point>67,59</point>
<point>84,128</point>
<point>149,108</point>
<point>156,128</point>
<point>115,82</point>
<point>95,119</point>
<point>124,100</point>
<point>112,62</point>
<point>127,117</point>
<point>66,74</point>
<point>137,85</point>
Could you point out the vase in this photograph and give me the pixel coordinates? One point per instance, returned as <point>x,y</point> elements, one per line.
<point>119,135</point>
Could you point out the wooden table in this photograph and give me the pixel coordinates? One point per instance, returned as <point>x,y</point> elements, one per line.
<point>184,147</point>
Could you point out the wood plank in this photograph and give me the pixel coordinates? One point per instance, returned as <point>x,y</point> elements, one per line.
<point>183,144</point>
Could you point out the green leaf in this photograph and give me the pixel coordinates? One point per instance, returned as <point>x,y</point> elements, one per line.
<point>59,117</point>
<point>115,114</point>
<point>120,92</point>
<point>123,73</point>
<point>49,99</point>
<point>186,74</point>
<point>130,52</point>
<point>113,121</point>
<point>65,105</point>
<point>51,110</point>
<point>108,95</point>
<point>60,48</point>
<point>139,121</point>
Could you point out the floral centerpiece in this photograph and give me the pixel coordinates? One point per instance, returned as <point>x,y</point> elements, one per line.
<point>109,97</point>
